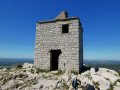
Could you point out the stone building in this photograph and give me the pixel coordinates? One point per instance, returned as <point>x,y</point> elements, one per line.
<point>59,44</point>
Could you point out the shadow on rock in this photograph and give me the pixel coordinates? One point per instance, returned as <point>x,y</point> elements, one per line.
<point>85,68</point>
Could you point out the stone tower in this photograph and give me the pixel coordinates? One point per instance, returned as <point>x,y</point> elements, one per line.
<point>59,44</point>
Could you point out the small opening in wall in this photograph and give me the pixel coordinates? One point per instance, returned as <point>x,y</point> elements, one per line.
<point>54,59</point>
<point>65,28</point>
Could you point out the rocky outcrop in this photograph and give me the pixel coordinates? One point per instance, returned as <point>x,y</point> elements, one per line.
<point>30,78</point>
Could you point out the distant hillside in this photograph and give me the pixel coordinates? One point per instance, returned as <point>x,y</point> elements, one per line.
<point>12,62</point>
<point>115,65</point>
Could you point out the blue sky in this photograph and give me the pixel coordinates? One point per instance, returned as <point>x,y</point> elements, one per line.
<point>100,20</point>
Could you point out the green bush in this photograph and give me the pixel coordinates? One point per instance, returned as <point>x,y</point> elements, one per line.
<point>108,71</point>
<point>45,77</point>
<point>38,70</point>
<point>66,86</point>
<point>32,70</point>
<point>59,72</point>
<point>75,73</point>
<point>118,80</point>
<point>89,66</point>
<point>17,85</point>
<point>19,66</point>
<point>119,73</point>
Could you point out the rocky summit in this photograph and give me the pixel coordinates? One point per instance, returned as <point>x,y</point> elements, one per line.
<point>27,77</point>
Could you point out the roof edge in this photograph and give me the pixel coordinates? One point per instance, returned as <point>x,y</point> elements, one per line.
<point>58,20</point>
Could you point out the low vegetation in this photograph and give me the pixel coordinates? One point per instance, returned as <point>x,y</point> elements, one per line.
<point>107,79</point>
<point>111,87</point>
<point>83,88</point>
<point>89,66</point>
<point>118,80</point>
<point>32,71</point>
<point>119,73</point>
<point>17,85</point>
<point>88,75</point>
<point>59,72</point>
<point>75,73</point>
<point>19,66</point>
<point>108,71</point>
<point>96,85</point>
<point>66,86</point>
<point>45,77</point>
<point>38,70</point>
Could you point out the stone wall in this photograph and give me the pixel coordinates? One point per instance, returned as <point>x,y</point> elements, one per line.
<point>49,36</point>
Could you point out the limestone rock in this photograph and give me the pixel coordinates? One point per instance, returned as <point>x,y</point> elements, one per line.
<point>4,69</point>
<point>27,65</point>
<point>71,88</point>
<point>65,77</point>
<point>118,84</point>
<point>116,88</point>
<point>101,78</point>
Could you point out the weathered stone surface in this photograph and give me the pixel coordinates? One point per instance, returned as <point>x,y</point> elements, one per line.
<point>65,77</point>
<point>49,37</point>
<point>62,15</point>
<point>27,65</point>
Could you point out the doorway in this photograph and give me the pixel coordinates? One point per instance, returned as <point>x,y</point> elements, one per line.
<point>54,56</point>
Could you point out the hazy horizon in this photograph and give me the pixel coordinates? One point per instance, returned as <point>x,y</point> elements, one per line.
<point>83,59</point>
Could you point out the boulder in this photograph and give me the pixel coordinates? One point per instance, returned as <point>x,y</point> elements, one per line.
<point>27,65</point>
<point>65,77</point>
<point>110,75</point>
<point>118,84</point>
<point>86,81</point>
<point>56,83</point>
<point>4,69</point>
<point>103,83</point>
<point>116,88</point>
<point>92,70</point>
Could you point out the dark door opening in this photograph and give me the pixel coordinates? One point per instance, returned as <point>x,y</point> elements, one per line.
<point>54,59</point>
